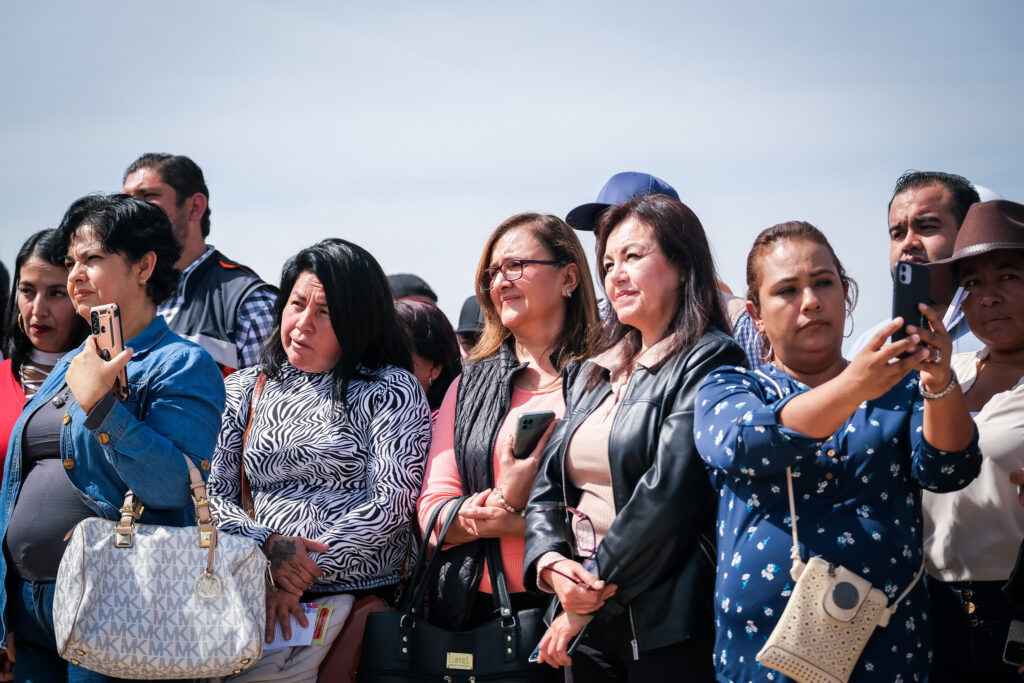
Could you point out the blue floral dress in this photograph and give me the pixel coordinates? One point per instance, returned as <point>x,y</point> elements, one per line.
<point>858,501</point>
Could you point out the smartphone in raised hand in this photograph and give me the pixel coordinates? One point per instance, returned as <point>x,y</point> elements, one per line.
<point>911,285</point>
<point>106,328</point>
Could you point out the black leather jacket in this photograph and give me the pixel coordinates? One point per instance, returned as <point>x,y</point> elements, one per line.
<point>660,549</point>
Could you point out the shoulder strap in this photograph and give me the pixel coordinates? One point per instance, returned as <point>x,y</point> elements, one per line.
<point>417,588</point>
<point>247,502</point>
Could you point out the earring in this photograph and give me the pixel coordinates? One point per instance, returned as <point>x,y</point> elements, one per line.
<point>849,316</point>
<point>766,347</point>
<point>21,324</point>
<point>568,293</point>
<point>143,281</point>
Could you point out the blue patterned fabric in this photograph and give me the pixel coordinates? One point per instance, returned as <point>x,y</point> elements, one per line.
<point>858,501</point>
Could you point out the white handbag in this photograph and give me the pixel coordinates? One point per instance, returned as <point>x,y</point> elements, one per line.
<point>828,619</point>
<point>145,601</point>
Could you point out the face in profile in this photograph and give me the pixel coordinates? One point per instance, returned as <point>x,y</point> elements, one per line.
<point>641,282</point>
<point>47,314</point>
<point>994,307</point>
<point>97,276</point>
<point>803,304</point>
<point>307,335</point>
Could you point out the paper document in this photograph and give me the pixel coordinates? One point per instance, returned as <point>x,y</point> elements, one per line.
<point>318,618</point>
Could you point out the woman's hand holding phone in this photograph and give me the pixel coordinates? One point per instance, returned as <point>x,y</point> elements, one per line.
<point>517,474</point>
<point>90,378</point>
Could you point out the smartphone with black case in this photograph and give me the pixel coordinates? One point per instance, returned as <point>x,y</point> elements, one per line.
<point>529,428</point>
<point>911,285</point>
<point>106,328</point>
<point>1014,651</point>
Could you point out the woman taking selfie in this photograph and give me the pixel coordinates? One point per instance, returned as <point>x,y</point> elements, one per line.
<point>76,449</point>
<point>972,536</point>
<point>862,439</point>
<point>632,560</point>
<point>41,326</point>
<point>535,290</point>
<point>332,446</point>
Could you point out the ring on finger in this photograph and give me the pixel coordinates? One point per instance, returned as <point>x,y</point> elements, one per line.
<point>937,356</point>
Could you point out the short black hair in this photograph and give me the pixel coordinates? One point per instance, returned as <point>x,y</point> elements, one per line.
<point>432,337</point>
<point>16,344</point>
<point>960,189</point>
<point>181,173</point>
<point>129,227</point>
<point>361,309</point>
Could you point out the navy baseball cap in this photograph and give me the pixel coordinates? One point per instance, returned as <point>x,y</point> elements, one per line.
<point>619,189</point>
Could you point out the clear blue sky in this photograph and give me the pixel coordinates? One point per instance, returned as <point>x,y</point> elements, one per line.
<point>415,128</point>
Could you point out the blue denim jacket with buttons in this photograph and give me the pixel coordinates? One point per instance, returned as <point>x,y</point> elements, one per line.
<point>174,406</point>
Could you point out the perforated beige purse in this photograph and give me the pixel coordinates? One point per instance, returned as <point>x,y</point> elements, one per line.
<point>828,620</point>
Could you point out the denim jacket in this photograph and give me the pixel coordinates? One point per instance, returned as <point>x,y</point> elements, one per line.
<point>174,406</point>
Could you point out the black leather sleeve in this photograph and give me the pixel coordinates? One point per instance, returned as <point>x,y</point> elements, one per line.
<point>656,530</point>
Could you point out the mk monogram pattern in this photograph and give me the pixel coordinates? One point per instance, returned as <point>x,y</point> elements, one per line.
<point>132,612</point>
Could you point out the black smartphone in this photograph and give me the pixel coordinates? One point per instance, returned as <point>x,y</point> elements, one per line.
<point>911,285</point>
<point>529,428</point>
<point>106,327</point>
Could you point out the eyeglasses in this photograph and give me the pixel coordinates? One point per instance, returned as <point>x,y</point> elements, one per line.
<point>511,269</point>
<point>586,543</point>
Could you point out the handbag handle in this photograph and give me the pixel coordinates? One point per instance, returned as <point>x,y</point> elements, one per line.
<point>247,503</point>
<point>132,509</point>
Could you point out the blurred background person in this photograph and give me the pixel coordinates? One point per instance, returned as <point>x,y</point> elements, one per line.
<point>333,454</point>
<point>538,301</point>
<point>972,535</point>
<point>862,438</point>
<point>435,350</point>
<point>411,287</point>
<point>76,449</point>
<point>633,560</point>
<point>471,326</point>
<point>41,326</point>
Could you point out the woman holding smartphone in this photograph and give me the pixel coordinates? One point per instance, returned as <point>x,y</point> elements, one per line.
<point>76,449</point>
<point>632,559</point>
<point>862,438</point>
<point>535,290</point>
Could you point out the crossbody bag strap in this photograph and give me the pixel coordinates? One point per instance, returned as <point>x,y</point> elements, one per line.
<point>247,503</point>
<point>421,570</point>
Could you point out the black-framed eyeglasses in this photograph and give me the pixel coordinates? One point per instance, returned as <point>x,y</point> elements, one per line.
<point>511,269</point>
<point>586,543</point>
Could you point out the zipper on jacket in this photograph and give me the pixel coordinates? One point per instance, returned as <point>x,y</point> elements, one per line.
<point>632,628</point>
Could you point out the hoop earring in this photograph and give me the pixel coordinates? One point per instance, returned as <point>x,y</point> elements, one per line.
<point>21,324</point>
<point>849,316</point>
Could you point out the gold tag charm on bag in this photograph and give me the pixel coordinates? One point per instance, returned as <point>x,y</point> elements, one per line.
<point>463,661</point>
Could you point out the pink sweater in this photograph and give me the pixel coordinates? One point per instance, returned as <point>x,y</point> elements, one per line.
<point>441,480</point>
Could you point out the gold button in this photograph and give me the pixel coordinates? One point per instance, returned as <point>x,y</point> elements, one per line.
<point>79,652</point>
<point>831,453</point>
<point>103,438</point>
<point>69,464</point>
<point>205,464</point>
<point>973,621</point>
<point>66,419</point>
<point>75,662</point>
<point>970,607</point>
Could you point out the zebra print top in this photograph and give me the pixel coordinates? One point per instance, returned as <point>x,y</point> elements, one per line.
<point>351,483</point>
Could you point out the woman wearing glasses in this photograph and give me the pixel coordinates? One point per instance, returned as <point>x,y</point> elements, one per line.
<point>540,314</point>
<point>636,569</point>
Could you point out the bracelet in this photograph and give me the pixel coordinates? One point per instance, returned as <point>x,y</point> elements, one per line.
<point>504,503</point>
<point>949,387</point>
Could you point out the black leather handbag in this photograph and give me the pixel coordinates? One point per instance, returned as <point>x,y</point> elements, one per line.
<point>402,645</point>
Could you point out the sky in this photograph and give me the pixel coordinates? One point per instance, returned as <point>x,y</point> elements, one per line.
<point>414,129</point>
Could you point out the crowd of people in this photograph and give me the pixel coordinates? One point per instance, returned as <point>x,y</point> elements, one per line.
<point>696,432</point>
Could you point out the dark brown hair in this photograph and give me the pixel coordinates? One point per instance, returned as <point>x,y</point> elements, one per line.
<point>581,320</point>
<point>682,239</point>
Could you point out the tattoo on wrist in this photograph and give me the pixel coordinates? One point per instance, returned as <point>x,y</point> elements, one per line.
<point>280,552</point>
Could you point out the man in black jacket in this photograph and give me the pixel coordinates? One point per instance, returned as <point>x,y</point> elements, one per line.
<point>221,305</point>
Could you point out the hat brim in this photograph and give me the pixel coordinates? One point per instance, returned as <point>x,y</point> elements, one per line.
<point>942,270</point>
<point>584,217</point>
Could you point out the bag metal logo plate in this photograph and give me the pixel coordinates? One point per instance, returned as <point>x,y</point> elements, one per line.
<point>462,661</point>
